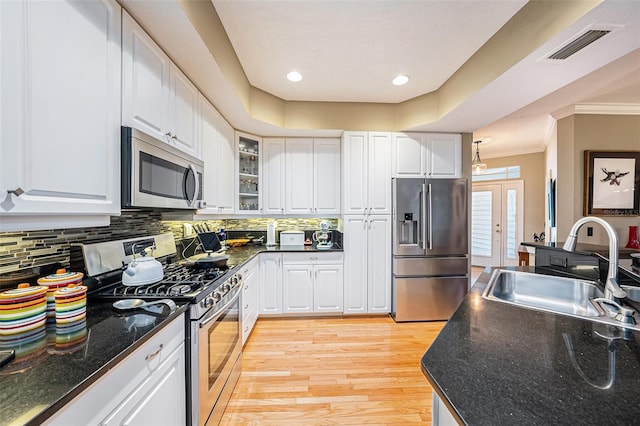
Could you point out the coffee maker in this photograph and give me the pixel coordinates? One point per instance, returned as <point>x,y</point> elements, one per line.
<point>322,238</point>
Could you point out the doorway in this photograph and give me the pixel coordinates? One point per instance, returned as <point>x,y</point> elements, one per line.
<point>497,223</point>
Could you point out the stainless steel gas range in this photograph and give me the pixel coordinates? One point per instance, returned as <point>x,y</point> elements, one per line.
<point>214,329</point>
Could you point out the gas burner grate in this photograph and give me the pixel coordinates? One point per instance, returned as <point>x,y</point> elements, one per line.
<point>179,282</point>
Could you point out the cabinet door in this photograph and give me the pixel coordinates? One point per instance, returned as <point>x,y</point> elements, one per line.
<point>161,399</point>
<point>326,176</point>
<point>183,112</point>
<point>225,164</point>
<point>408,155</point>
<point>270,283</point>
<point>355,264</point>
<point>328,288</point>
<point>354,176</point>
<point>273,182</point>
<point>299,176</point>
<point>249,166</point>
<point>297,288</point>
<point>250,300</point>
<point>60,111</point>
<point>444,155</point>
<point>211,144</point>
<point>145,81</point>
<point>379,264</point>
<point>379,172</point>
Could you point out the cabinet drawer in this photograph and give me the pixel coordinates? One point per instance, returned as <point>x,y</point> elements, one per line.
<point>317,258</point>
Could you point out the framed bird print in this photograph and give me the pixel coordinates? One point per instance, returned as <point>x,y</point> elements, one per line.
<point>612,183</point>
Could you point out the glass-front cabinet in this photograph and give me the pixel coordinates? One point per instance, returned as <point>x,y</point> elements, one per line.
<point>249,170</point>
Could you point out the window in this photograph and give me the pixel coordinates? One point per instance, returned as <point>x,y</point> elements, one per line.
<point>498,173</point>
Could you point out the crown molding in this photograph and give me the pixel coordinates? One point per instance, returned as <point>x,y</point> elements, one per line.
<point>598,108</point>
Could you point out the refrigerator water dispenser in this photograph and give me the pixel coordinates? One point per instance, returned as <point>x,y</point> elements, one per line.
<point>408,230</point>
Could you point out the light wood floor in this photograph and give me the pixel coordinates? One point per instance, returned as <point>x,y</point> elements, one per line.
<point>323,371</point>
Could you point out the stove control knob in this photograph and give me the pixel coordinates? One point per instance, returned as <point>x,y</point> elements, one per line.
<point>226,287</point>
<point>239,276</point>
<point>208,301</point>
<point>216,298</point>
<point>234,280</point>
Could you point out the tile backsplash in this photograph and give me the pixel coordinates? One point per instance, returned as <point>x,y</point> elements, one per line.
<point>28,249</point>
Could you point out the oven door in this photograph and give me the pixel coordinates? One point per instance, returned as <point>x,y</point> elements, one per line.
<point>218,350</point>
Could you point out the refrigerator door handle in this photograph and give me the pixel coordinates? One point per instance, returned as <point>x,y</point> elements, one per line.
<point>423,212</point>
<point>430,220</point>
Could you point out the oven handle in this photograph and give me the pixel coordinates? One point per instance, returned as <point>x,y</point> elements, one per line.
<point>215,316</point>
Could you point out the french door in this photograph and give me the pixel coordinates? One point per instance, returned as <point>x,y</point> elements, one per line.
<point>497,216</point>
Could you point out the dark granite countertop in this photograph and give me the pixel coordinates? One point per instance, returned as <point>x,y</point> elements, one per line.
<point>46,374</point>
<point>494,363</point>
<point>623,252</point>
<point>240,255</point>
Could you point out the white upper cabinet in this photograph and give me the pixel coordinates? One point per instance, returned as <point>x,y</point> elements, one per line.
<point>299,176</point>
<point>432,155</point>
<point>226,166</point>
<point>366,180</point>
<point>157,97</point>
<point>313,176</point>
<point>326,176</point>
<point>409,155</point>
<point>217,140</point>
<point>183,112</point>
<point>273,172</point>
<point>249,182</point>
<point>445,155</point>
<point>60,113</point>
<point>145,81</point>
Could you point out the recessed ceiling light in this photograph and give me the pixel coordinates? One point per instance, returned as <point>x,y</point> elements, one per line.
<point>400,80</point>
<point>294,76</point>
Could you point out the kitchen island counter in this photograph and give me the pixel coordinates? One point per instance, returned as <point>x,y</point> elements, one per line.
<point>49,372</point>
<point>494,363</point>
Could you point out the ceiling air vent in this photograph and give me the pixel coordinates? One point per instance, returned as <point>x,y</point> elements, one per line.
<point>578,43</point>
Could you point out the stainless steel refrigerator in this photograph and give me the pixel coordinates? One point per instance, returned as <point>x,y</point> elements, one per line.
<point>430,250</point>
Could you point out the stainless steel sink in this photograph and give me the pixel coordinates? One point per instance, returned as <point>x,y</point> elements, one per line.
<point>543,292</point>
<point>559,295</point>
<point>633,293</point>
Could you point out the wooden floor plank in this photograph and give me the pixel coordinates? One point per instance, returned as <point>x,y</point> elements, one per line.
<point>327,371</point>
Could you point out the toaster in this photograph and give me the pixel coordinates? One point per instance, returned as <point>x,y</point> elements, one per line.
<point>292,238</point>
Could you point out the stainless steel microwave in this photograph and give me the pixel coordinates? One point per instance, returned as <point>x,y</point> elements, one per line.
<point>157,175</point>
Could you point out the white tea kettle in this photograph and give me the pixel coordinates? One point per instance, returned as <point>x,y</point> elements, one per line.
<point>143,270</point>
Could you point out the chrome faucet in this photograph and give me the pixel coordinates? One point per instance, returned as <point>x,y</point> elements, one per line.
<point>611,287</point>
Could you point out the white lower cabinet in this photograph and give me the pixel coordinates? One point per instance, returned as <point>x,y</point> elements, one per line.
<point>367,264</point>
<point>312,283</point>
<point>250,297</point>
<point>440,414</point>
<point>270,283</point>
<point>328,288</point>
<point>146,388</point>
<point>297,288</point>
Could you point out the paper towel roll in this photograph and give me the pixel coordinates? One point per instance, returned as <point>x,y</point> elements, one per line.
<point>271,233</point>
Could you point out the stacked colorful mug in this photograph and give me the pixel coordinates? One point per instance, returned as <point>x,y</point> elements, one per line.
<point>55,282</point>
<point>22,312</point>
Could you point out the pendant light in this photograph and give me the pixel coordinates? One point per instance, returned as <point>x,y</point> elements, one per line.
<point>477,166</point>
